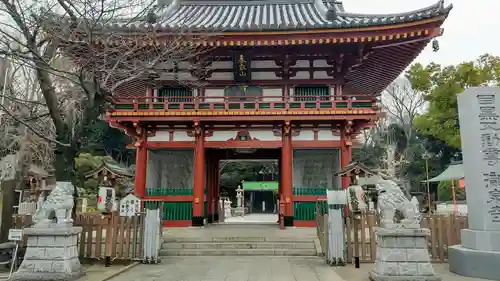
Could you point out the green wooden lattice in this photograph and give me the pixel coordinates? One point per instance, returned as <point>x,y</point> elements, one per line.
<point>178,93</point>
<point>310,93</point>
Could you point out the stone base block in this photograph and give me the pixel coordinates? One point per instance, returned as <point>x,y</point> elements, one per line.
<point>51,254</point>
<point>376,277</point>
<point>474,263</point>
<point>402,255</point>
<point>481,240</point>
<point>46,276</point>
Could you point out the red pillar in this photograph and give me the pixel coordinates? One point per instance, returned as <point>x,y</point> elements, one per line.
<point>210,187</point>
<point>216,188</point>
<point>199,176</point>
<point>346,150</point>
<point>286,173</point>
<point>141,163</point>
<point>345,159</point>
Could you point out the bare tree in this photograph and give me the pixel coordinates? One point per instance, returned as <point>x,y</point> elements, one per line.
<point>402,105</point>
<point>80,58</point>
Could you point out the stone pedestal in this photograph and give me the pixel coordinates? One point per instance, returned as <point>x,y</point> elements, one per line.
<point>402,255</point>
<point>239,211</point>
<point>479,254</point>
<point>51,255</point>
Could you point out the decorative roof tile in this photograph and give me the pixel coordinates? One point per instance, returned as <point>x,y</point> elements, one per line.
<point>238,15</point>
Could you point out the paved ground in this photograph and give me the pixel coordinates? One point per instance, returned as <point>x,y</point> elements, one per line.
<point>349,273</point>
<point>254,218</point>
<point>232,269</point>
<point>256,269</point>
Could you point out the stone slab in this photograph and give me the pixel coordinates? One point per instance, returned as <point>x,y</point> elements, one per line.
<point>474,263</point>
<point>46,276</point>
<point>478,110</point>
<point>52,230</point>
<point>233,269</point>
<point>411,232</point>
<point>376,277</point>
<point>481,240</point>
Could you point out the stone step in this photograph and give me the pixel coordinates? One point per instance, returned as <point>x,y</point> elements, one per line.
<point>239,238</point>
<point>242,224</point>
<point>239,252</point>
<point>239,245</point>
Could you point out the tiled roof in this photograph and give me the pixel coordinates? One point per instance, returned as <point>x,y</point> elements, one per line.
<point>267,15</point>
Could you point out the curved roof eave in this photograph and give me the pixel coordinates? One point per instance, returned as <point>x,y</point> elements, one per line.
<point>249,16</point>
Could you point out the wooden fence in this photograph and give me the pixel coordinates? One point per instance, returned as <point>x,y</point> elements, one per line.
<point>103,236</point>
<point>445,232</point>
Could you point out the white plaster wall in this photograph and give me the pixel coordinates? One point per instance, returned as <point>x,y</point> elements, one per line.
<point>326,134</point>
<point>214,95</point>
<point>320,63</point>
<point>160,136</point>
<point>186,76</point>
<point>301,75</point>
<point>305,135</point>
<point>182,136</point>
<point>265,76</point>
<point>221,64</point>
<point>267,135</point>
<point>301,63</point>
<point>222,76</point>
<point>263,64</point>
<point>272,94</point>
<point>221,136</point>
<point>321,75</point>
<point>264,135</point>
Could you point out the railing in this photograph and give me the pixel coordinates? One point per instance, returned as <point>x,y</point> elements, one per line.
<point>445,232</point>
<point>260,103</point>
<point>322,227</point>
<point>125,235</point>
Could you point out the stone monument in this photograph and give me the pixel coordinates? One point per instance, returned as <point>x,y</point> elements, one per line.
<point>479,254</point>
<point>52,252</point>
<point>401,253</point>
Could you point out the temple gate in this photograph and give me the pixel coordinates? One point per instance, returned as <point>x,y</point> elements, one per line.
<point>295,81</point>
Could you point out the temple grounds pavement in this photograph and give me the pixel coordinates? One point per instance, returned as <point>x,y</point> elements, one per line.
<point>255,269</point>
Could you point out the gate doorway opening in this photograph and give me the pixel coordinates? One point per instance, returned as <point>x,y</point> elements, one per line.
<point>248,187</point>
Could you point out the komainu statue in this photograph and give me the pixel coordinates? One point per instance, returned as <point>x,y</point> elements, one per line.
<point>59,202</point>
<point>391,200</point>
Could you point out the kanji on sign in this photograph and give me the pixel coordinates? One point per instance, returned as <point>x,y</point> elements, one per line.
<point>491,155</point>
<point>490,139</point>
<point>488,116</point>
<point>494,196</point>
<point>492,179</point>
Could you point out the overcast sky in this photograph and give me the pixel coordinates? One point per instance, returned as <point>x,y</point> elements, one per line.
<point>472,29</point>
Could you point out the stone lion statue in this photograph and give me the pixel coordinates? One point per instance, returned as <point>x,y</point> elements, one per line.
<point>59,202</point>
<point>392,199</point>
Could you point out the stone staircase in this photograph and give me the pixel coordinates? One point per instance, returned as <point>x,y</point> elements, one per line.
<point>239,241</point>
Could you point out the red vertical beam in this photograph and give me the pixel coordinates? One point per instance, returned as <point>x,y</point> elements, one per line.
<point>141,163</point>
<point>345,159</point>
<point>286,173</point>
<point>199,175</point>
<point>345,150</point>
<point>210,186</point>
<point>216,187</point>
